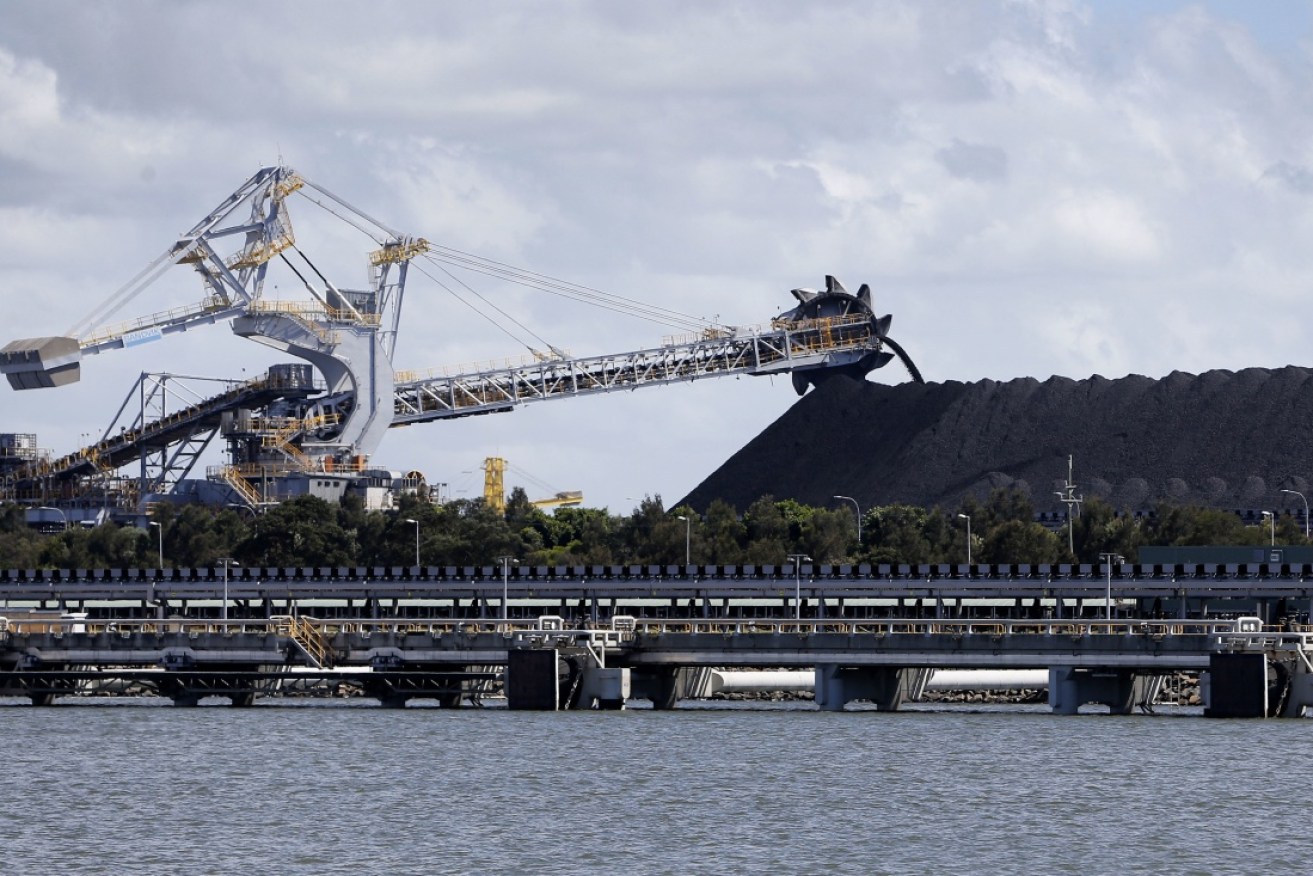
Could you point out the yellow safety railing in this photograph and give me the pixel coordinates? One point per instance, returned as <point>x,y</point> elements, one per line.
<point>244,488</point>
<point>309,635</point>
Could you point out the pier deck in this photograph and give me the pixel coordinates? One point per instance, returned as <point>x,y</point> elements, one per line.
<point>397,660</point>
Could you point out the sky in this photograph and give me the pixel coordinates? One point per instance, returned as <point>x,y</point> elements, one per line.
<point>1030,188</point>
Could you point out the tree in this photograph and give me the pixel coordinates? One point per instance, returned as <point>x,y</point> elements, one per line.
<point>370,530</point>
<point>195,536</point>
<point>825,535</point>
<point>1005,504</point>
<point>1014,541</point>
<point>301,532</point>
<point>20,547</point>
<point>1099,530</point>
<point>639,531</point>
<point>768,532</point>
<point>897,534</point>
<point>724,534</point>
<point>1188,525</point>
<point>582,536</point>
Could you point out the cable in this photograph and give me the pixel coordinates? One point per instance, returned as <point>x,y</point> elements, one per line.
<point>123,295</point>
<point>363,215</point>
<point>563,288</point>
<point>482,298</point>
<point>439,253</point>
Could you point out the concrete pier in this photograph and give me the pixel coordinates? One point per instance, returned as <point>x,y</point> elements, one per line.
<point>1121,690</point>
<point>885,687</point>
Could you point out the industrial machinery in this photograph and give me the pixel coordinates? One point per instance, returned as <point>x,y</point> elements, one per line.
<point>312,427</point>
<point>494,489</point>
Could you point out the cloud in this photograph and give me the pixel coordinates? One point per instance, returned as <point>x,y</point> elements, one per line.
<point>1030,187</point>
<point>1297,179</point>
<point>974,161</point>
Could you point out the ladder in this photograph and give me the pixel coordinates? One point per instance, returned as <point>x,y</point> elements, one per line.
<point>309,638</point>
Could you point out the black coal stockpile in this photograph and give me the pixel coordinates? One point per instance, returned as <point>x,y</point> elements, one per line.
<point>1224,439</point>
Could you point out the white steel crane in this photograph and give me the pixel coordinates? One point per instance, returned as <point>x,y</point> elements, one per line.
<point>288,424</point>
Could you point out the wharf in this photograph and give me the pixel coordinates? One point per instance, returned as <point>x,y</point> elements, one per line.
<point>1254,670</point>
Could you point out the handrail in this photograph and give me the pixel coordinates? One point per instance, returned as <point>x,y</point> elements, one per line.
<point>304,625</point>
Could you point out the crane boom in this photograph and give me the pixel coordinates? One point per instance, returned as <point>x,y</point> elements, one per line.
<point>788,346</point>
<point>232,282</point>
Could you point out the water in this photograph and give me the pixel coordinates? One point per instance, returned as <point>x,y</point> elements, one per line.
<point>315,787</point>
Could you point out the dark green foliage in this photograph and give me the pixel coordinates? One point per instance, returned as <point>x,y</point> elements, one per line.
<point>309,532</point>
<point>1016,541</point>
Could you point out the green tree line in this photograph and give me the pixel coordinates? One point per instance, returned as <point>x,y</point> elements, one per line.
<point>311,532</point>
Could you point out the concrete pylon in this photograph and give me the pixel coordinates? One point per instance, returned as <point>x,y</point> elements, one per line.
<point>886,687</point>
<point>1121,690</point>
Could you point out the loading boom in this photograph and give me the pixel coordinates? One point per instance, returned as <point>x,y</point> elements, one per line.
<point>787,346</point>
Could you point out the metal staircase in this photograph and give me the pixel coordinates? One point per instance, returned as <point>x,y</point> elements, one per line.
<point>308,637</point>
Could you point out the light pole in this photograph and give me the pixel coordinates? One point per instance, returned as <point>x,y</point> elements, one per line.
<point>967,518</point>
<point>688,536</point>
<point>160,527</point>
<point>1305,501</point>
<point>798,560</point>
<point>416,522</point>
<point>505,586</point>
<point>859,516</point>
<point>1272,519</point>
<point>1108,560</point>
<point>1067,496</point>
<point>227,561</point>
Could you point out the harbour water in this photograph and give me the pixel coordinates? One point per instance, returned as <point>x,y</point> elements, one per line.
<point>318,786</point>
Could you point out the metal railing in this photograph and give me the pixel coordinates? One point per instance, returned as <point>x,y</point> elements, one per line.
<point>991,628</point>
<point>626,628</point>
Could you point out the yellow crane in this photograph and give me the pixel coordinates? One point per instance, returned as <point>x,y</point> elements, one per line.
<point>494,489</point>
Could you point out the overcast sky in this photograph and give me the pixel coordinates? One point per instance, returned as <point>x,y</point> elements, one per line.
<point>1030,188</point>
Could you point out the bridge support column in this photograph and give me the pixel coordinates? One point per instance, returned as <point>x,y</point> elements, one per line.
<point>886,687</point>
<point>1121,690</point>
<point>658,684</point>
<point>667,685</point>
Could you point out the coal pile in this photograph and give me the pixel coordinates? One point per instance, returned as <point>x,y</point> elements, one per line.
<point>1223,439</point>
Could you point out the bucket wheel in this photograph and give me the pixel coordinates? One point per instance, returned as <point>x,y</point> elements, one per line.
<point>836,301</point>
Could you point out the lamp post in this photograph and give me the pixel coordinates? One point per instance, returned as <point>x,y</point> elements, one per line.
<point>798,560</point>
<point>1272,520</point>
<point>416,522</point>
<point>150,595</point>
<point>1108,560</point>
<point>1305,501</point>
<point>505,586</point>
<point>160,527</point>
<point>688,536</point>
<point>227,561</point>
<point>859,516</point>
<point>967,518</point>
